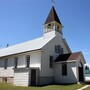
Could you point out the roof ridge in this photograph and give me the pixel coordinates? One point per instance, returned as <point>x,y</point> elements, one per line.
<point>22,43</point>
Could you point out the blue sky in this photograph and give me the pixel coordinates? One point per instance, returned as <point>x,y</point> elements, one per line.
<point>22,20</point>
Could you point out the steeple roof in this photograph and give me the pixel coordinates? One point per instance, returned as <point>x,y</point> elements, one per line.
<point>52,16</point>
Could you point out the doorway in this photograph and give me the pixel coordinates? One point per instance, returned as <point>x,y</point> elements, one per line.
<point>80,71</point>
<point>33,77</point>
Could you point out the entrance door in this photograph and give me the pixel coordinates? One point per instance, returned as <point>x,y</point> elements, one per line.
<point>33,77</point>
<point>81,76</point>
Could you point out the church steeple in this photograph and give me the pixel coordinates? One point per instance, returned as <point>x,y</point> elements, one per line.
<point>52,16</point>
<point>52,25</point>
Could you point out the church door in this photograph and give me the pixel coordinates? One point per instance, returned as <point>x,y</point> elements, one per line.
<point>33,77</point>
<point>80,69</point>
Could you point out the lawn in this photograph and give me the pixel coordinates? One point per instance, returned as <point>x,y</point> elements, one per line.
<point>49,87</point>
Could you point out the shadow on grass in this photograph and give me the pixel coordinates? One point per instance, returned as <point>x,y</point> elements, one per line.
<point>46,85</point>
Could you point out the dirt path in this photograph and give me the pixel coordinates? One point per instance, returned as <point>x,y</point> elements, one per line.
<point>86,86</point>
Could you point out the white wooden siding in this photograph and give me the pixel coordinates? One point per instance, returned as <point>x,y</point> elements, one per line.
<point>71,76</point>
<point>21,78</point>
<point>35,60</point>
<point>21,61</point>
<point>9,71</point>
<point>10,64</point>
<point>49,50</point>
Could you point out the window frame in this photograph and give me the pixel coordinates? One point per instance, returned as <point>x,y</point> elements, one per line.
<point>51,61</point>
<point>27,61</point>
<point>58,49</point>
<point>5,63</point>
<point>64,69</point>
<point>15,62</point>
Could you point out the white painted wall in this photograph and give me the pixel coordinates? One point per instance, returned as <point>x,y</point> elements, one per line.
<point>35,61</point>
<point>48,50</point>
<point>71,73</point>
<point>21,60</point>
<point>9,71</point>
<point>10,63</point>
<point>47,73</point>
<point>21,77</point>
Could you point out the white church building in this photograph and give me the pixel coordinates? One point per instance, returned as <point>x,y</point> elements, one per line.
<point>44,60</point>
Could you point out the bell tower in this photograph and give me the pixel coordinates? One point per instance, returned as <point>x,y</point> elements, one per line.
<point>52,25</point>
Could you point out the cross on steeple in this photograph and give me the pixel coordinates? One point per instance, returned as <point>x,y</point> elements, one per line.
<point>53,2</point>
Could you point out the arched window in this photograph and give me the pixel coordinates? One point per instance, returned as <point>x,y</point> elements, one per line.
<point>49,25</point>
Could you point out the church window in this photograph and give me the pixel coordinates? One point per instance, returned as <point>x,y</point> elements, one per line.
<point>58,49</point>
<point>64,69</point>
<point>27,61</point>
<point>58,29</point>
<point>51,61</point>
<point>5,63</point>
<point>15,62</point>
<point>49,25</point>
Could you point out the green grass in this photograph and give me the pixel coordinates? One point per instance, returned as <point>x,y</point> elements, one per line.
<point>49,87</point>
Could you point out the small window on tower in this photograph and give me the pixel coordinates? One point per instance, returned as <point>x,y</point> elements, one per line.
<point>58,27</point>
<point>49,26</point>
<point>52,25</point>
